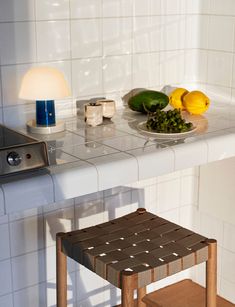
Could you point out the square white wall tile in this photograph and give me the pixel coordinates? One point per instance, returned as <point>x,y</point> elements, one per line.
<point>227,7</point>
<point>14,10</point>
<point>71,293</point>
<point>148,7</point>
<point>112,296</point>
<point>189,190</point>
<point>195,65</point>
<point>90,287</point>
<point>53,40</point>
<point>18,215</point>
<point>85,8</point>
<point>196,31</point>
<point>220,68</point>
<point>170,215</point>
<point>118,205</point>
<point>173,32</point>
<point>6,300</point>
<point>141,34</point>
<point>228,242</point>
<point>86,38</point>
<point>156,32</point>
<point>5,277</point>
<point>169,7</point>
<point>64,108</point>
<point>11,81</point>
<point>4,242</point>
<point>227,290</point>
<point>146,70</point>
<point>198,6</point>
<point>26,235</point>
<point>31,296</point>
<point>117,8</point>
<point>17,116</point>
<point>87,77</point>
<point>18,43</point>
<point>168,195</point>
<point>171,67</point>
<point>117,73</point>
<point>211,227</point>
<point>186,216</point>
<point>48,10</point>
<point>218,26</point>
<point>58,205</point>
<point>39,191</point>
<point>57,221</point>
<point>117,33</point>
<point>228,265</point>
<point>50,262</point>
<point>3,219</point>
<point>90,213</point>
<point>147,33</point>
<point>28,270</point>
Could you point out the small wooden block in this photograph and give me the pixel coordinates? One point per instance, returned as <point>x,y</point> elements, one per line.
<point>182,294</point>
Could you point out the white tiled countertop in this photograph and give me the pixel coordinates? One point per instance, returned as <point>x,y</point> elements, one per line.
<point>85,159</point>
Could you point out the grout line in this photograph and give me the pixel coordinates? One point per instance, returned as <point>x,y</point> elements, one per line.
<point>35,30</point>
<point>117,17</point>
<point>160,51</point>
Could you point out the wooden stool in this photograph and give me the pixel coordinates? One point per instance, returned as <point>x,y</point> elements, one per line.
<point>133,251</point>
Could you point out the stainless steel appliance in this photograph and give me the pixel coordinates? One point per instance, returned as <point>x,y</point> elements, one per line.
<point>19,152</point>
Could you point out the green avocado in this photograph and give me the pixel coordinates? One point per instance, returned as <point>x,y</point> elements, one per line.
<point>148,101</point>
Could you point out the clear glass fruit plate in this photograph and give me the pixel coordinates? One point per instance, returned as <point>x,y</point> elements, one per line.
<point>142,127</point>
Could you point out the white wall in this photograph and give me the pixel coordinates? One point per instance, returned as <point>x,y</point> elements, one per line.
<point>27,239</point>
<point>104,47</point>
<point>213,36</point>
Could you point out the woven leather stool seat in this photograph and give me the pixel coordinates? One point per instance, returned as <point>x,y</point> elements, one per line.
<point>141,246</point>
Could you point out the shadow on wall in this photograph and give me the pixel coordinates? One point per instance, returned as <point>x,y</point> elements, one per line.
<point>85,288</point>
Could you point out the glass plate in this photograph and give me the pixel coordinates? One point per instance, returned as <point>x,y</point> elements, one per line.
<point>142,126</point>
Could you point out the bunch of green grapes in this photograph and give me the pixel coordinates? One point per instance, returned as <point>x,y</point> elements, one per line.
<point>168,122</point>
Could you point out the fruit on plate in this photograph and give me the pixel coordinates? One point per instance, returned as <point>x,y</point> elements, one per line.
<point>176,98</point>
<point>148,101</point>
<point>196,102</point>
<point>168,122</point>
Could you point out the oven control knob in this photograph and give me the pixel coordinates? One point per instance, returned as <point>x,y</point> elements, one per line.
<point>13,158</point>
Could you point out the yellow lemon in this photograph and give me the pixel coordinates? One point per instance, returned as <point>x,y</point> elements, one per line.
<point>176,98</point>
<point>196,102</point>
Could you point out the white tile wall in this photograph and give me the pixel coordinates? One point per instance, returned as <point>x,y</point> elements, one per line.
<point>28,256</point>
<point>164,42</point>
<point>107,47</point>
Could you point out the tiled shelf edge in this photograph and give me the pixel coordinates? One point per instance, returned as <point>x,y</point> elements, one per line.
<point>84,177</point>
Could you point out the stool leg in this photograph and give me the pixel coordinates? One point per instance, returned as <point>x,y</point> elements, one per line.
<point>211,274</point>
<point>61,273</point>
<point>127,290</point>
<point>141,292</point>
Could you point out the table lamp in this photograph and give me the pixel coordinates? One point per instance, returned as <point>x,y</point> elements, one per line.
<point>44,84</point>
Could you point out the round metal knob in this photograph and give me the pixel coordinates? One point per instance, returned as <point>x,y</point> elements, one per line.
<point>13,158</point>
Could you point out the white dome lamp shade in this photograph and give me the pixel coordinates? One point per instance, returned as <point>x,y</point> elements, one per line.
<point>44,84</point>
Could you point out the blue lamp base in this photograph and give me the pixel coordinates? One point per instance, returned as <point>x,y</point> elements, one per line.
<point>45,122</point>
<point>45,113</point>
